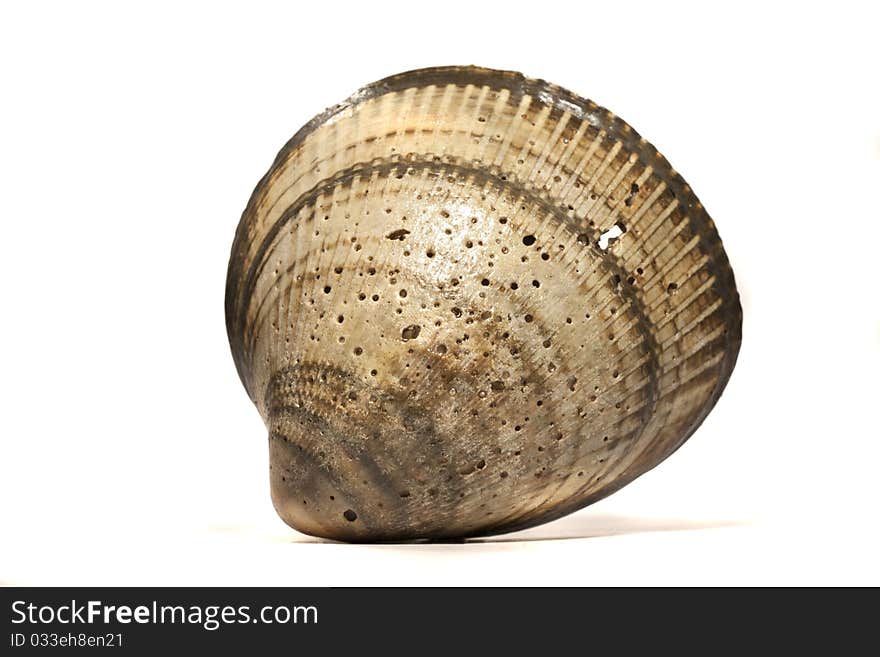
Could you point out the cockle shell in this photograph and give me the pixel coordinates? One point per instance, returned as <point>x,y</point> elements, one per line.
<point>466,302</point>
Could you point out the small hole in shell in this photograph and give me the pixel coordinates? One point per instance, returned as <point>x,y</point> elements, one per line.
<point>608,237</point>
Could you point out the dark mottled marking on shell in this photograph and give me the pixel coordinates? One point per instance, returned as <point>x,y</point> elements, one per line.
<point>466,302</point>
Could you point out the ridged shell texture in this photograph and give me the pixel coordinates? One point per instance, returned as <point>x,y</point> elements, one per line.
<point>467,302</point>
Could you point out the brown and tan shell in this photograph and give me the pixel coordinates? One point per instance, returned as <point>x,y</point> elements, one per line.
<point>467,302</point>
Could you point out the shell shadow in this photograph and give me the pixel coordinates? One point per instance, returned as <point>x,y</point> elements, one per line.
<point>575,526</point>
<point>602,525</point>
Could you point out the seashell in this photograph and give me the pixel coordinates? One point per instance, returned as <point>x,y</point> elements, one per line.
<point>466,302</point>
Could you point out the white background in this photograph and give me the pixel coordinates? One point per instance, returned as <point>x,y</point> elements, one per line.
<point>131,139</point>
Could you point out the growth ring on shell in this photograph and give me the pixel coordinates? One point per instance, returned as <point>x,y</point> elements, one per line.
<point>467,302</point>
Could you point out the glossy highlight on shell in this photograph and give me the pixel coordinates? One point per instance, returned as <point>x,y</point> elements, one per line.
<point>466,302</point>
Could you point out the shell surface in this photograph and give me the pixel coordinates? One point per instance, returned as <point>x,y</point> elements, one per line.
<point>467,302</point>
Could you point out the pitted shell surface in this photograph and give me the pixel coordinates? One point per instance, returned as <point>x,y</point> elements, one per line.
<point>467,302</point>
